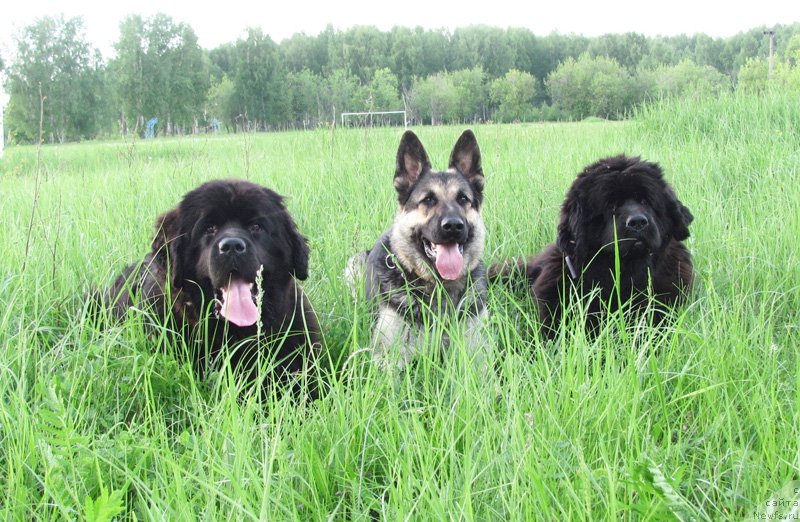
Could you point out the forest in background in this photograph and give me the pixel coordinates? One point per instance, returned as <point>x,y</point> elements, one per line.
<point>62,89</point>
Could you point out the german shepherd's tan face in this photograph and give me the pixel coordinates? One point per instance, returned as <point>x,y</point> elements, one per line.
<point>438,229</point>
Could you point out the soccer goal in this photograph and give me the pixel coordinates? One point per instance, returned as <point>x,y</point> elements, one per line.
<point>373,118</point>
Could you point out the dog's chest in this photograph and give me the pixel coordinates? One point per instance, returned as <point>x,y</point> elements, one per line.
<point>421,301</point>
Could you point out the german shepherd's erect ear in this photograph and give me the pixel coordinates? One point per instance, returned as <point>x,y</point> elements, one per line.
<point>412,162</point>
<point>466,157</point>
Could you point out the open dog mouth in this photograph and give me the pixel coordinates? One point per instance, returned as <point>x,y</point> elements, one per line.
<point>448,258</point>
<point>237,302</point>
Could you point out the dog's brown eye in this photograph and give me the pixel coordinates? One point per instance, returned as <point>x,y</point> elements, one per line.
<point>462,199</point>
<point>210,230</point>
<point>255,227</point>
<point>428,200</point>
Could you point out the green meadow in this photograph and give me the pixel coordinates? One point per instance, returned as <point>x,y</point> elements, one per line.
<point>694,421</point>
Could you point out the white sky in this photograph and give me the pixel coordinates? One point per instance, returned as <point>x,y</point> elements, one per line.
<point>221,22</point>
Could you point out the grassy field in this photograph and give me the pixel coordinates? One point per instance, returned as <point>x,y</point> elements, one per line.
<point>698,421</point>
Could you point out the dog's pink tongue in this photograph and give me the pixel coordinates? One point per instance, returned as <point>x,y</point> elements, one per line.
<point>449,261</point>
<point>237,304</point>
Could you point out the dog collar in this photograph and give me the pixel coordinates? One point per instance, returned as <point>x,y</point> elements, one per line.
<point>571,267</point>
<point>393,264</point>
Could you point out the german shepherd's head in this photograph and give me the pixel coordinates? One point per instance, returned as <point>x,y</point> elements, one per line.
<point>438,230</point>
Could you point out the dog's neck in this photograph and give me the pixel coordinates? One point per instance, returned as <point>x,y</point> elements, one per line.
<point>578,270</point>
<point>410,275</point>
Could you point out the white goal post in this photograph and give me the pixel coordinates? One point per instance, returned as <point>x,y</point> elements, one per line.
<point>376,113</point>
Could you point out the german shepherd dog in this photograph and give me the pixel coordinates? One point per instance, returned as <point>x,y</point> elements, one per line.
<point>428,265</point>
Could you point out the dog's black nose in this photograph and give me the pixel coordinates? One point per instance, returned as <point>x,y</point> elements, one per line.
<point>637,222</point>
<point>232,246</point>
<point>453,225</point>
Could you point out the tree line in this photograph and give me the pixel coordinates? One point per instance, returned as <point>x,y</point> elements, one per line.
<point>472,74</point>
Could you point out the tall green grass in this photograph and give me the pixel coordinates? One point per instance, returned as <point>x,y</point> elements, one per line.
<point>696,421</point>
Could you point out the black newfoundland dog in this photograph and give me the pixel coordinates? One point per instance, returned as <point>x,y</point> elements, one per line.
<point>222,271</point>
<point>619,240</point>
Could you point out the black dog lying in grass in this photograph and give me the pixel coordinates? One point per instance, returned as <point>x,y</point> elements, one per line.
<point>619,240</point>
<point>222,271</point>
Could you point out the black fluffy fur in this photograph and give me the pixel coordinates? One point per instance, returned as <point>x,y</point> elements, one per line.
<point>655,267</point>
<point>177,282</point>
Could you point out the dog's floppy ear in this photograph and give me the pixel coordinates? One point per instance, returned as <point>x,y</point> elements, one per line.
<point>466,157</point>
<point>168,244</point>
<point>412,162</point>
<point>569,228</point>
<point>680,215</point>
<point>299,250</point>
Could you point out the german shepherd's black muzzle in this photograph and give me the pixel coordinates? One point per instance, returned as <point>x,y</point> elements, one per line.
<point>453,229</point>
<point>443,241</point>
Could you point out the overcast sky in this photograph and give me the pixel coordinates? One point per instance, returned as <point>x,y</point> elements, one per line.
<point>220,22</point>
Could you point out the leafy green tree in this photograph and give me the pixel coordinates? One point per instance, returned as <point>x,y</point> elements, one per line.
<point>590,86</point>
<point>526,49</point>
<point>219,102</point>
<point>188,79</point>
<point>443,77</point>
<point>222,61</point>
<point>55,62</point>
<point>472,93</point>
<point>434,99</point>
<point>435,51</point>
<point>307,103</point>
<point>627,49</point>
<point>612,95</point>
<point>381,93</point>
<point>128,71</point>
<point>302,51</point>
<point>660,52</point>
<point>753,75</point>
<point>792,52</point>
<point>260,93</point>
<point>707,50</point>
<point>361,50</point>
<point>689,79</point>
<point>514,95</point>
<point>341,94</point>
<point>788,76</point>
<point>159,71</point>
<point>298,53</point>
<point>407,54</point>
<point>481,45</point>
<point>558,48</point>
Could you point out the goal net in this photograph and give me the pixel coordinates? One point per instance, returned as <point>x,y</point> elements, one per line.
<point>374,119</point>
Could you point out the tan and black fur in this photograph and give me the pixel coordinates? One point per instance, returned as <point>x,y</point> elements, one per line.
<point>427,266</point>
